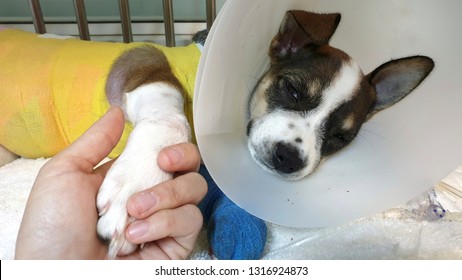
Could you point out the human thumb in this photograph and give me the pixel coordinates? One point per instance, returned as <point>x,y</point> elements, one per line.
<point>99,140</point>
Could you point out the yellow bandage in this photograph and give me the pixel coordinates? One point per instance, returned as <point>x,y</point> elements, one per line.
<point>52,90</point>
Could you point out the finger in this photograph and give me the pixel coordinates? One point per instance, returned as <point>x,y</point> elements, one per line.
<point>183,224</point>
<point>185,189</point>
<point>183,157</point>
<point>98,141</point>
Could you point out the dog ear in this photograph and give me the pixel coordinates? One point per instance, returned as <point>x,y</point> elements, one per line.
<point>300,29</point>
<point>395,79</point>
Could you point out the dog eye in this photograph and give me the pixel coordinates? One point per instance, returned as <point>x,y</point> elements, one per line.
<point>341,137</point>
<point>291,90</point>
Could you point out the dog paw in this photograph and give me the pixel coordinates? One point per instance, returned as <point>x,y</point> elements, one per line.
<point>124,179</point>
<point>111,204</point>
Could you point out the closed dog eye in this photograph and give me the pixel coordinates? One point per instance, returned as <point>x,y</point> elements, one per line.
<point>336,141</point>
<point>342,137</point>
<point>291,90</point>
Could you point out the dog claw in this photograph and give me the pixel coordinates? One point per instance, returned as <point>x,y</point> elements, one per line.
<point>103,211</point>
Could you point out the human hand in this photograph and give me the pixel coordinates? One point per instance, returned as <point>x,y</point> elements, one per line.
<point>60,218</point>
<point>167,213</point>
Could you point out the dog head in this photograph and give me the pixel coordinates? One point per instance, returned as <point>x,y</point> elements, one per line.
<point>313,99</point>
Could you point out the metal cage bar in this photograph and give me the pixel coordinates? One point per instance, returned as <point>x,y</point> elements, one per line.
<point>124,9</point>
<point>82,22</point>
<point>169,23</point>
<point>211,12</point>
<point>125,21</point>
<point>37,16</point>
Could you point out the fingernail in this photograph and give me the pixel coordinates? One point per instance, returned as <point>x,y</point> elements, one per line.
<point>145,201</point>
<point>137,229</point>
<point>175,155</point>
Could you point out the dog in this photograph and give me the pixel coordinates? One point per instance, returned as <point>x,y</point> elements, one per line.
<point>314,98</point>
<point>309,104</point>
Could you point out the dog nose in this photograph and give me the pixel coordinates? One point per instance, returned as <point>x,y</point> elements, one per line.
<point>286,158</point>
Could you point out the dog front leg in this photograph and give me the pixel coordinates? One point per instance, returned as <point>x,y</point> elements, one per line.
<point>156,111</point>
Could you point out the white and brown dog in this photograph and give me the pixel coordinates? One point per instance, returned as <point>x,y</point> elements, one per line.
<point>310,103</point>
<point>313,99</point>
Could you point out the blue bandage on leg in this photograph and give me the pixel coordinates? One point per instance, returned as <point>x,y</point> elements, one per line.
<point>232,232</point>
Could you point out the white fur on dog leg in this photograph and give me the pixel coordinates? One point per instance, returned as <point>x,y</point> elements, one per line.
<point>135,170</point>
<point>156,112</point>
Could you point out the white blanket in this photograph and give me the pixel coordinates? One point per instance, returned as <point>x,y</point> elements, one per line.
<point>411,231</point>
